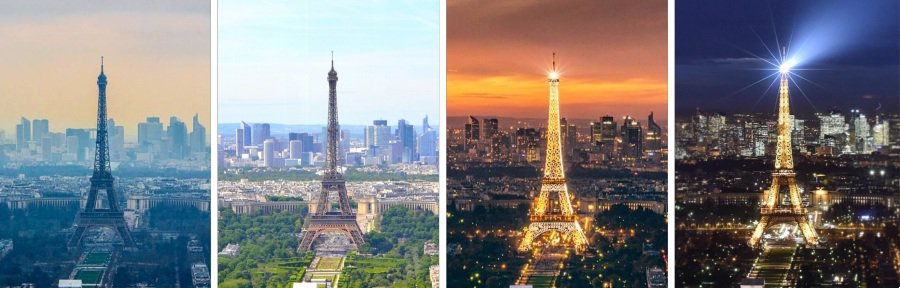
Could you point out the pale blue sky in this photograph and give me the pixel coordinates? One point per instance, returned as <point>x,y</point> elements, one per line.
<point>274,57</point>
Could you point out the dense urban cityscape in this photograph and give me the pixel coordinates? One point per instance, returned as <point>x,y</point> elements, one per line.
<point>846,167</point>
<point>616,174</point>
<point>328,207</point>
<point>148,226</point>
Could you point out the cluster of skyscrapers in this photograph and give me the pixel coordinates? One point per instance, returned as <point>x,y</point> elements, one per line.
<point>750,135</point>
<point>255,145</point>
<point>605,142</point>
<point>36,142</point>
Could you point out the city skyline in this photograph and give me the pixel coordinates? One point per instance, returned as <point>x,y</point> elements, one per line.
<point>274,59</point>
<point>156,52</point>
<point>612,60</point>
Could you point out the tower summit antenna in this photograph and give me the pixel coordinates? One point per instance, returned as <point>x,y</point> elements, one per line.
<point>554,61</point>
<point>101,64</point>
<point>332,59</point>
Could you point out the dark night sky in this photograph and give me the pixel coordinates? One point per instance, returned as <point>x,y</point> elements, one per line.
<point>852,49</point>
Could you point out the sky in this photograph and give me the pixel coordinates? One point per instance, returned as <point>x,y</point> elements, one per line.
<point>274,58</point>
<point>611,55</point>
<point>157,61</point>
<point>847,51</point>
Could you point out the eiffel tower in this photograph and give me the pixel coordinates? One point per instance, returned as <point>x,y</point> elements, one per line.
<point>552,210</point>
<point>322,220</point>
<point>93,214</point>
<point>772,210</point>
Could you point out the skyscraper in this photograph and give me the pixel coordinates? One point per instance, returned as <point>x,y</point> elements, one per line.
<point>116,140</point>
<point>294,149</point>
<point>473,132</point>
<point>23,134</point>
<point>490,128</point>
<point>83,139</point>
<point>239,141</point>
<point>40,127</point>
<point>150,135</point>
<point>178,138</point>
<point>260,133</point>
<point>268,152</point>
<point>569,136</point>
<point>407,136</point>
<point>862,139</point>
<point>379,134</point>
<point>608,134</point>
<point>653,138</point>
<point>306,141</point>
<point>632,139</point>
<point>198,135</point>
<point>428,141</point>
<point>248,134</point>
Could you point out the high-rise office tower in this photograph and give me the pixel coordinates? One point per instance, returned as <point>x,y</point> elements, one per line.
<point>831,124</point>
<point>239,141</point>
<point>294,149</point>
<point>178,138</point>
<point>653,138</point>
<point>248,134</point>
<point>379,134</point>
<point>407,136</point>
<point>569,137</point>
<point>268,152</point>
<point>83,137</point>
<point>862,139</point>
<point>150,134</point>
<point>40,127</point>
<point>528,143</point>
<point>490,128</point>
<point>198,135</point>
<point>306,141</point>
<point>23,134</point>
<point>881,133</point>
<point>116,140</point>
<point>260,133</point>
<point>428,140</point>
<point>632,139</point>
<point>608,134</point>
<point>473,132</point>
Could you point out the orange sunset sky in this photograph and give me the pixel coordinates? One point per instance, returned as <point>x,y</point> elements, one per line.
<point>157,59</point>
<point>611,56</point>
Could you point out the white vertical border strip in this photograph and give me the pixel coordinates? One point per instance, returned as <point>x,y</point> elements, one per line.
<point>670,267</point>
<point>442,150</point>
<point>214,145</point>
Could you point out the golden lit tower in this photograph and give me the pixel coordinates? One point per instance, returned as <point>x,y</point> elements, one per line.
<point>552,210</point>
<point>773,209</point>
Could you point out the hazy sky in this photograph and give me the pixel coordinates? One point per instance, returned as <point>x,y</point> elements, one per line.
<point>612,56</point>
<point>157,61</point>
<point>274,57</point>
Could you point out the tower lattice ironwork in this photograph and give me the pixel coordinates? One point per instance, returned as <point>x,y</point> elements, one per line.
<point>93,214</point>
<point>321,220</point>
<point>774,210</point>
<point>552,211</point>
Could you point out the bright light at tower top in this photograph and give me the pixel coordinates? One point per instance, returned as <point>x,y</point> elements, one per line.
<point>553,75</point>
<point>787,65</point>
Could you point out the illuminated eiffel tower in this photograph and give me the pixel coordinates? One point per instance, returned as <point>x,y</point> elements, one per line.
<point>322,220</point>
<point>773,210</point>
<point>552,210</point>
<point>93,214</point>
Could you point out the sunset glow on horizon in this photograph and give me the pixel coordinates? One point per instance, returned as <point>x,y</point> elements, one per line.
<point>609,61</point>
